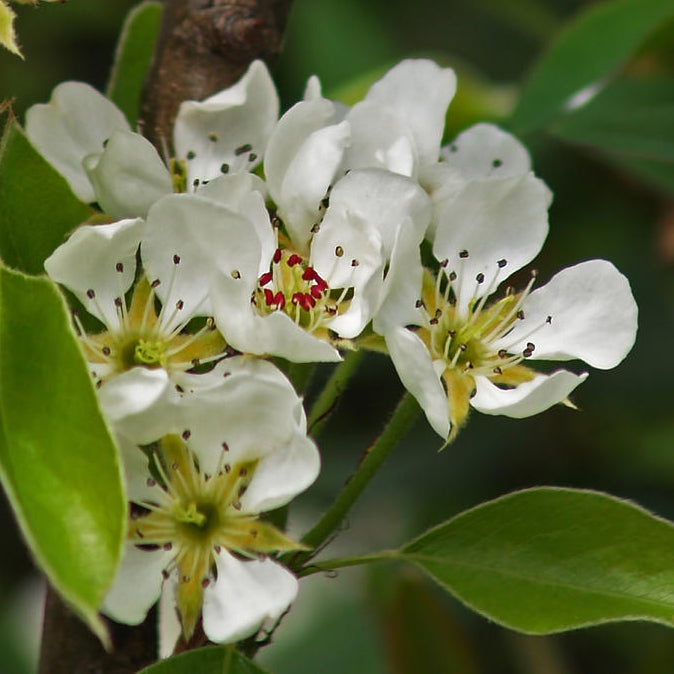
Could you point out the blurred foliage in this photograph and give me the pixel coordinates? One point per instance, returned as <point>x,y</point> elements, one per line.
<point>607,204</point>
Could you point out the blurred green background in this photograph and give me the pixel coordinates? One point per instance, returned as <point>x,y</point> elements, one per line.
<point>389,618</point>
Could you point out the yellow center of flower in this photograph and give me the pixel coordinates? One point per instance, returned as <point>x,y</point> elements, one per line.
<point>196,515</point>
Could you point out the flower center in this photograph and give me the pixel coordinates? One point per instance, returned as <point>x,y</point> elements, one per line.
<point>296,288</point>
<point>147,337</point>
<point>196,515</point>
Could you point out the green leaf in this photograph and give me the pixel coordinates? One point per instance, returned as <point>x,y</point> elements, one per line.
<point>592,48</point>
<point>37,207</point>
<point>58,464</point>
<point>549,559</point>
<point>133,57</point>
<point>631,123</point>
<point>210,660</point>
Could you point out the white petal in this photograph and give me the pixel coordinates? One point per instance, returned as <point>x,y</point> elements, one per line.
<point>217,132</point>
<point>136,472</point>
<point>246,193</point>
<point>380,138</point>
<point>74,124</point>
<point>419,91</point>
<point>138,403</point>
<point>252,413</point>
<point>303,156</point>
<point>282,474</point>
<point>137,584</point>
<point>527,399</point>
<point>245,594</point>
<point>188,242</point>
<point>484,151</point>
<point>129,176</point>
<point>88,262</point>
<point>415,369</point>
<point>594,316</point>
<point>313,89</point>
<point>276,334</point>
<point>169,628</point>
<point>402,285</point>
<point>491,220</point>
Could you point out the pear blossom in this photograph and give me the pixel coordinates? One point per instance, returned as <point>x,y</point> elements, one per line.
<point>266,296</point>
<point>397,127</point>
<point>88,140</point>
<point>98,265</point>
<point>460,342</point>
<point>229,446</point>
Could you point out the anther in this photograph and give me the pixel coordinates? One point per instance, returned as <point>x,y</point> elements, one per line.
<point>180,389</point>
<point>480,278</point>
<point>502,353</point>
<point>195,182</point>
<point>165,574</point>
<point>91,294</point>
<point>452,276</point>
<point>228,468</point>
<point>186,434</point>
<point>205,582</point>
<point>444,263</point>
<point>497,370</point>
<point>463,254</point>
<point>242,149</point>
<point>339,251</point>
<point>530,346</point>
<point>418,304</point>
<point>213,137</point>
<point>225,447</point>
<point>520,315</point>
<point>236,274</point>
<point>168,546</point>
<point>502,263</point>
<point>217,549</point>
<point>155,283</point>
<point>224,168</point>
<point>179,305</point>
<point>151,482</point>
<point>119,267</point>
<point>315,228</point>
<point>252,156</point>
<point>354,263</point>
<point>496,163</point>
<point>191,154</point>
<point>236,505</point>
<point>277,256</point>
<point>176,259</point>
<point>106,350</point>
<point>118,301</point>
<point>294,259</point>
<point>548,320</point>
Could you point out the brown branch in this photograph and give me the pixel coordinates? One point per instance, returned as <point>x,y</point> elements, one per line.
<point>68,647</point>
<point>204,46</point>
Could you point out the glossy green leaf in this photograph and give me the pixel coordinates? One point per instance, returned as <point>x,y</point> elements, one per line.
<point>133,57</point>
<point>210,660</point>
<point>631,123</point>
<point>550,559</point>
<point>58,464</point>
<point>590,50</point>
<point>37,208</point>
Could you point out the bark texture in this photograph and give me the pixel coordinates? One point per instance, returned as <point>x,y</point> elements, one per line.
<point>68,647</point>
<point>204,46</point>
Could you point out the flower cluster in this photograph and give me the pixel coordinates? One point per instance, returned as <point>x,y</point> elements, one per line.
<point>297,237</point>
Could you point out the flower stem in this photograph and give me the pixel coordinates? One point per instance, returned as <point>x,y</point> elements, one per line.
<point>333,389</point>
<point>332,564</point>
<point>403,417</point>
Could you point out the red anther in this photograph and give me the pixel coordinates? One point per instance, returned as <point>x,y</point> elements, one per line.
<point>297,298</point>
<point>277,255</point>
<point>294,259</point>
<point>310,274</point>
<point>316,292</point>
<point>265,278</point>
<point>268,297</point>
<point>322,285</point>
<point>279,300</point>
<point>309,301</point>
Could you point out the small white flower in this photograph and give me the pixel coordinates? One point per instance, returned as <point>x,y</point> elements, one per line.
<point>454,346</point>
<point>88,140</point>
<point>230,450</point>
<point>98,264</point>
